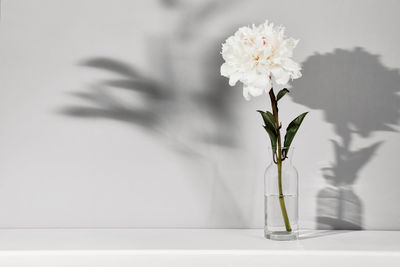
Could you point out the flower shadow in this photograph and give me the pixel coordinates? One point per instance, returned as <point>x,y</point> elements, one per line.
<point>358,96</point>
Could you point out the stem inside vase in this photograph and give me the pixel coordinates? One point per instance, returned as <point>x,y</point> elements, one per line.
<point>274,105</point>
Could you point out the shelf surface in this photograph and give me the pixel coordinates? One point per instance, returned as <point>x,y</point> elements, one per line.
<point>197,247</point>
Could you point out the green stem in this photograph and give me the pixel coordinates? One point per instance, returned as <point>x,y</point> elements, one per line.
<point>279,161</point>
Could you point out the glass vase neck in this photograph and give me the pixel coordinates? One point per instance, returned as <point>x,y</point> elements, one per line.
<point>289,154</point>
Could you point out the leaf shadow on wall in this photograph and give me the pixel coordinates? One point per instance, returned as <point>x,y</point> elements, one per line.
<point>359,96</point>
<point>103,104</point>
<point>153,104</point>
<point>161,109</point>
<point>162,98</point>
<point>182,101</point>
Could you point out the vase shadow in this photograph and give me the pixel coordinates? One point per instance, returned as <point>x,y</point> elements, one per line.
<point>358,96</point>
<point>338,207</point>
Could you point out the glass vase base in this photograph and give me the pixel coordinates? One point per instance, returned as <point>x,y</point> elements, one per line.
<point>281,235</point>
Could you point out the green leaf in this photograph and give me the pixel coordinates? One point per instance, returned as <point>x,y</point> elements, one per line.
<point>270,127</point>
<point>272,137</point>
<point>291,131</point>
<point>281,93</point>
<point>268,119</point>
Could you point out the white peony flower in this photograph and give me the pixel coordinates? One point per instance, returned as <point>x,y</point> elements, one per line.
<point>256,55</point>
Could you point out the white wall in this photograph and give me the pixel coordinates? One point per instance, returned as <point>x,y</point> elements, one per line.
<point>113,114</point>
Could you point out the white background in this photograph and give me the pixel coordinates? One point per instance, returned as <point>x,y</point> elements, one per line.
<point>178,148</point>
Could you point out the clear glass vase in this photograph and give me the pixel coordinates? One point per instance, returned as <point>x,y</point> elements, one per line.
<point>281,200</point>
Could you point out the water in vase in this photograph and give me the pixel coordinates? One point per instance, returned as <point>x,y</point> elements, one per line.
<point>274,223</point>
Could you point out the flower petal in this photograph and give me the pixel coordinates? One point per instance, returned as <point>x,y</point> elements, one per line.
<point>249,91</point>
<point>280,75</point>
<point>262,82</point>
<point>291,65</point>
<point>234,78</point>
<point>246,94</point>
<point>226,70</point>
<point>254,91</point>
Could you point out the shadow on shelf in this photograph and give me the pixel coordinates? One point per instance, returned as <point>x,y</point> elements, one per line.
<point>310,234</point>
